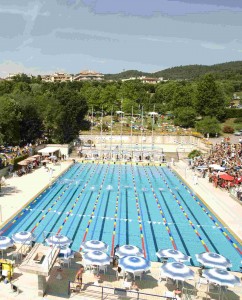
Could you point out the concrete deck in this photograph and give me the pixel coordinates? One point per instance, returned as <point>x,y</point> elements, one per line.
<point>225,208</point>
<point>20,190</point>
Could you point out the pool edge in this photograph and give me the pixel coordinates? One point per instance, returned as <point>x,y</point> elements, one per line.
<point>35,196</point>
<point>209,207</point>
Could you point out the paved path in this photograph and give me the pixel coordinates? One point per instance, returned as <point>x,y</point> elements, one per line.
<point>226,209</point>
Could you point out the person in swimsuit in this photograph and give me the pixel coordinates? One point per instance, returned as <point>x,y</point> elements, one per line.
<point>79,274</point>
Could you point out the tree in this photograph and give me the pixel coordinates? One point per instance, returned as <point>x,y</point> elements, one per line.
<point>208,125</point>
<point>30,125</point>
<point>9,120</point>
<point>185,116</point>
<point>210,98</point>
<point>70,110</point>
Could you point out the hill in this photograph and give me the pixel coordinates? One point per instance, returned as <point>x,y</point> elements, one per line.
<point>229,70</point>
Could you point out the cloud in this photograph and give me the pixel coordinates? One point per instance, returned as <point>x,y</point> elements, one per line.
<point>10,67</point>
<point>213,46</point>
<point>164,7</point>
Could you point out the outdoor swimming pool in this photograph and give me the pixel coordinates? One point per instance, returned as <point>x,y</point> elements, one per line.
<point>147,206</point>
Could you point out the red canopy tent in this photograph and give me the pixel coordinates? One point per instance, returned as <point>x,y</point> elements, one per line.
<point>226,177</point>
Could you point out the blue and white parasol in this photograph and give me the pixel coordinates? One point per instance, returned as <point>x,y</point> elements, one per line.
<point>134,264</point>
<point>97,258</point>
<point>23,237</point>
<point>221,277</point>
<point>58,241</point>
<point>66,252</point>
<point>177,271</point>
<point>175,254</point>
<point>5,242</point>
<point>94,245</point>
<point>213,260</point>
<point>128,250</point>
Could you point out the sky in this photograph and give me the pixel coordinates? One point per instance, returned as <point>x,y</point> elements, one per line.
<point>109,36</point>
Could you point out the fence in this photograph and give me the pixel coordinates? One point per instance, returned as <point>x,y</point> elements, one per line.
<point>105,292</point>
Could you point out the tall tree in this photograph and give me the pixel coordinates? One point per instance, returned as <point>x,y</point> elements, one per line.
<point>9,120</point>
<point>210,98</point>
<point>70,110</point>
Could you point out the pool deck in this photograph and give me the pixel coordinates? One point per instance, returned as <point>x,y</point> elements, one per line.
<point>18,191</point>
<point>224,207</point>
<point>21,190</point>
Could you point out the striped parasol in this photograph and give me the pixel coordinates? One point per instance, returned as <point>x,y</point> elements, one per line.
<point>134,264</point>
<point>175,254</point>
<point>96,257</point>
<point>213,260</point>
<point>58,241</point>
<point>177,271</point>
<point>23,237</point>
<point>5,242</point>
<point>128,250</point>
<point>221,277</point>
<point>94,245</point>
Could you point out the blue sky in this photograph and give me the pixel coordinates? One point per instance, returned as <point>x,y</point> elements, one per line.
<point>109,36</point>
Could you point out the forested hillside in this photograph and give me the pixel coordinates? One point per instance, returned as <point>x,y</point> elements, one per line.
<point>229,70</point>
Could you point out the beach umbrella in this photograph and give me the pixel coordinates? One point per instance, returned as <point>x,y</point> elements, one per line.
<point>58,241</point>
<point>128,250</point>
<point>119,112</point>
<point>94,245</point>
<point>221,277</point>
<point>134,264</point>
<point>66,251</point>
<point>53,157</point>
<point>5,242</point>
<point>213,260</point>
<point>177,271</point>
<point>23,163</point>
<point>23,237</point>
<point>202,167</point>
<point>96,257</point>
<point>30,159</point>
<point>175,254</point>
<point>216,167</point>
<point>226,177</point>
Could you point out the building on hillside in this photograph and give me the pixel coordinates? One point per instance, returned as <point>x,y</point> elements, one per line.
<point>12,75</point>
<point>145,79</point>
<point>46,78</point>
<point>88,75</point>
<point>60,77</point>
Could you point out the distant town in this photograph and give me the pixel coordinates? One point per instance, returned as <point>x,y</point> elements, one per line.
<point>84,75</point>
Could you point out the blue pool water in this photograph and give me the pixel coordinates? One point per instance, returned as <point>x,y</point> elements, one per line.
<point>147,206</point>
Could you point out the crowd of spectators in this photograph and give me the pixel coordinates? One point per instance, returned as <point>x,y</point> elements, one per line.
<point>223,166</point>
<point>8,154</point>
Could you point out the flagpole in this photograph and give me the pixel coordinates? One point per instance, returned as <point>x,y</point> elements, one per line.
<point>132,131</point>
<point>142,128</point>
<point>102,130</point>
<point>111,141</point>
<point>92,129</point>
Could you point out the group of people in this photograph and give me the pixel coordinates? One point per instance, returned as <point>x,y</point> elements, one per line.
<point>224,159</point>
<point>8,154</point>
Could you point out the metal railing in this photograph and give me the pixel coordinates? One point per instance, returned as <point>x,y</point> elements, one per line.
<point>105,292</point>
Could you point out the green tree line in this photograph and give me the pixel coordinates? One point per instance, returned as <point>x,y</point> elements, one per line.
<point>30,108</point>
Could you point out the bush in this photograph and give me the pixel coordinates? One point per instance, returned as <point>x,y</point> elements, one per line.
<point>238,120</point>
<point>228,129</point>
<point>194,153</point>
<point>233,113</point>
